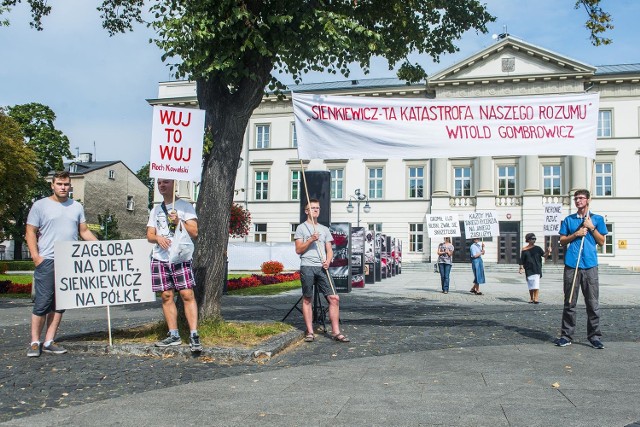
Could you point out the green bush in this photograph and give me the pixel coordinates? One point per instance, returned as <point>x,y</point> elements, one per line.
<point>16,266</point>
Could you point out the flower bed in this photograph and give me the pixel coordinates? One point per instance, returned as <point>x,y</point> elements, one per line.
<point>8,287</point>
<point>256,280</point>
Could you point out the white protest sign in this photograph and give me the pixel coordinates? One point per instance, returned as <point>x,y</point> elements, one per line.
<point>102,273</point>
<point>176,143</point>
<point>552,219</point>
<point>481,224</point>
<point>443,224</point>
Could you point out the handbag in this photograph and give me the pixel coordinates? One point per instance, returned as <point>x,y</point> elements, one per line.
<point>181,249</point>
<point>436,269</point>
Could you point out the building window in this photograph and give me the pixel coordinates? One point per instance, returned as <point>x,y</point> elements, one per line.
<point>375,183</point>
<point>71,192</point>
<point>337,183</point>
<point>607,248</point>
<point>262,185</point>
<point>377,227</point>
<point>260,232</point>
<point>506,180</point>
<point>294,226</point>
<point>112,174</point>
<point>462,182</point>
<point>604,124</point>
<point>416,182</point>
<point>416,237</point>
<point>263,136</point>
<point>73,168</point>
<point>294,136</point>
<point>604,179</point>
<point>130,203</point>
<point>551,180</point>
<point>295,185</point>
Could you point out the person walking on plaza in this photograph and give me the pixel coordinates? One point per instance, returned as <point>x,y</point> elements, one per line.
<point>313,244</point>
<point>445,254</point>
<point>477,265</point>
<point>167,277</point>
<point>531,264</point>
<point>580,233</point>
<point>54,218</point>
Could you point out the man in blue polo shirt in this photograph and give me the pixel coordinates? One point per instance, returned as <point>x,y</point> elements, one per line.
<point>590,227</point>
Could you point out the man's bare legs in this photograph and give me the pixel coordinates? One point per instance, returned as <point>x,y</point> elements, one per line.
<point>52,319</point>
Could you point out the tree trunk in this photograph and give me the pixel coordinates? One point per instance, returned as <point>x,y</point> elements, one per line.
<point>227,116</point>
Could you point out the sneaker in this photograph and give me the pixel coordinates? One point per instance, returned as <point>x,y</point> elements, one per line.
<point>596,343</point>
<point>194,343</point>
<point>563,342</point>
<point>54,348</point>
<point>169,340</point>
<point>34,350</point>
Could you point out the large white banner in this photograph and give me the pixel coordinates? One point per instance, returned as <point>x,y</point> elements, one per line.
<point>176,143</point>
<point>329,127</point>
<point>101,273</point>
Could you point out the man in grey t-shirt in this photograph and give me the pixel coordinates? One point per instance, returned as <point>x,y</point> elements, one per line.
<point>313,244</point>
<point>54,218</point>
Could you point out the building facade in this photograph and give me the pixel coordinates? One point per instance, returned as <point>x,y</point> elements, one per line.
<point>110,186</point>
<point>400,192</point>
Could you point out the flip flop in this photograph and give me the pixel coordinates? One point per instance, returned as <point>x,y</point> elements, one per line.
<point>479,293</point>
<point>473,291</point>
<point>309,337</point>
<point>340,338</point>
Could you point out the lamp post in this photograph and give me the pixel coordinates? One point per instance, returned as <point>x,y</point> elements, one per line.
<point>105,227</point>
<point>359,198</point>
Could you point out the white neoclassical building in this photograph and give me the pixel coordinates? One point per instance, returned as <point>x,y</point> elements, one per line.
<point>401,192</point>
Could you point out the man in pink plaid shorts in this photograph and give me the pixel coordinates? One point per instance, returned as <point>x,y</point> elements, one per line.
<point>167,277</point>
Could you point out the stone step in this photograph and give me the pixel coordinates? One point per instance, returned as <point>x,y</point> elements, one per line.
<point>493,267</point>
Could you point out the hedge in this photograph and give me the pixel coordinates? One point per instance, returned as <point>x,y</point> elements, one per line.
<point>16,266</point>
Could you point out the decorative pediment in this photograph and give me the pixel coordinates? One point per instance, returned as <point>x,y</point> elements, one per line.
<point>511,59</point>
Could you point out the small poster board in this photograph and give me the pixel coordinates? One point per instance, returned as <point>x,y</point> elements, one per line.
<point>102,273</point>
<point>552,219</point>
<point>176,143</point>
<point>481,224</point>
<point>443,224</point>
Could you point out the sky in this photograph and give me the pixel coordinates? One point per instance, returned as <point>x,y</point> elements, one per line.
<point>98,85</point>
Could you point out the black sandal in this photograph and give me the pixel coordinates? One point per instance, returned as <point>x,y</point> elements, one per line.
<point>340,338</point>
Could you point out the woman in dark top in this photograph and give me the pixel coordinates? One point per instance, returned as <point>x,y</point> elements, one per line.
<point>531,264</point>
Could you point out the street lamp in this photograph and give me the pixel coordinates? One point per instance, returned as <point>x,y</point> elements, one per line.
<point>105,227</point>
<point>359,198</point>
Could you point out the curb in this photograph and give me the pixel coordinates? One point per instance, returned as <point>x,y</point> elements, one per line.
<point>261,353</point>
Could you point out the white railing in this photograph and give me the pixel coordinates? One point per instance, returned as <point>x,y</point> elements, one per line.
<point>565,200</point>
<point>508,201</point>
<point>455,202</point>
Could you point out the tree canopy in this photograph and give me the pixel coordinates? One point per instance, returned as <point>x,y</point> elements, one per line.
<point>48,146</point>
<point>17,169</point>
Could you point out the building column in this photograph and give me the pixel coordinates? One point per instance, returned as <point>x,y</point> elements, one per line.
<point>578,173</point>
<point>485,182</point>
<point>440,177</point>
<point>532,172</point>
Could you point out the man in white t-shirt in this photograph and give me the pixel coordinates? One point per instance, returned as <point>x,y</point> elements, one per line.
<point>167,277</point>
<point>54,218</point>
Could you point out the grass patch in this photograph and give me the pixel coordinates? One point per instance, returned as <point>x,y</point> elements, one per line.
<point>213,333</point>
<point>17,278</point>
<point>274,289</point>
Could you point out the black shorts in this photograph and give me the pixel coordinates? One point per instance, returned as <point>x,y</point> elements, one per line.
<point>310,275</point>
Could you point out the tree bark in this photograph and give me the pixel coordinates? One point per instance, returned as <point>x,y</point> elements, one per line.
<point>227,116</point>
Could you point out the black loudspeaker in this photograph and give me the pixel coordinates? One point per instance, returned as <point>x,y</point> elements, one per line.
<point>319,187</point>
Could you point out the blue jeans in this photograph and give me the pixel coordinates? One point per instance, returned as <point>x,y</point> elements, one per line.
<point>445,269</point>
